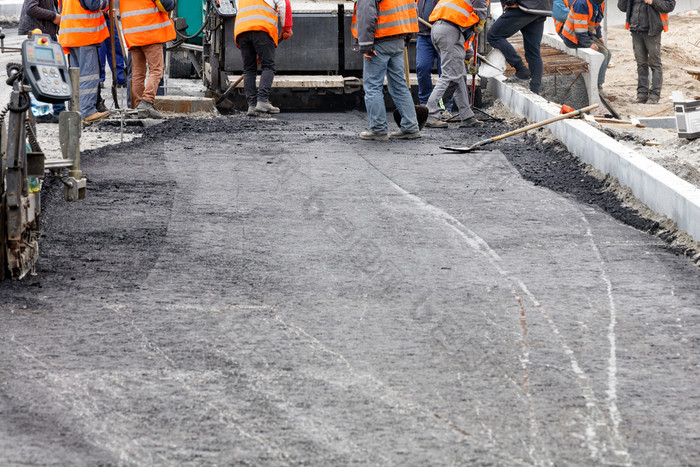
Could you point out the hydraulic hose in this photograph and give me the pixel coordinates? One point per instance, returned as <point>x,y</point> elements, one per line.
<point>185,37</point>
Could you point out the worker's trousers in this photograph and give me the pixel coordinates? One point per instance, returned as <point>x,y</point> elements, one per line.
<point>87,59</point>
<point>449,41</point>
<point>388,62</point>
<point>145,57</point>
<point>647,54</point>
<point>257,45</point>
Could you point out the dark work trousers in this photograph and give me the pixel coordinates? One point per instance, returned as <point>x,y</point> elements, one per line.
<point>256,44</point>
<point>647,54</point>
<point>531,26</point>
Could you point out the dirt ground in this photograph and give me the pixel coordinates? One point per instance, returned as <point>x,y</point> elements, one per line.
<point>680,47</point>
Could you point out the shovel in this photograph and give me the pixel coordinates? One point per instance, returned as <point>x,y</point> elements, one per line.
<point>474,146</point>
<point>421,110</point>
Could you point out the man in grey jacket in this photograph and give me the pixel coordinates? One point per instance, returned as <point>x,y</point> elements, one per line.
<point>526,16</point>
<point>646,19</point>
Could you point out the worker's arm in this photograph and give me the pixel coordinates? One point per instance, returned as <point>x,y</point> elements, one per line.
<point>35,11</point>
<point>578,16</point>
<point>663,6</point>
<point>481,8</point>
<point>367,15</point>
<point>287,29</point>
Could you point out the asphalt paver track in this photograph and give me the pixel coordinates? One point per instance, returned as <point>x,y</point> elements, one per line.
<point>294,295</point>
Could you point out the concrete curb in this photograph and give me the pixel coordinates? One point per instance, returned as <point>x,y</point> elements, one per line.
<point>662,191</point>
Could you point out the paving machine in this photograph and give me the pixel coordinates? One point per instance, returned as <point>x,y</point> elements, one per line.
<point>45,74</point>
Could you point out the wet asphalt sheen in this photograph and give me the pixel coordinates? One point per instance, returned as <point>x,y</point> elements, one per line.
<point>242,292</point>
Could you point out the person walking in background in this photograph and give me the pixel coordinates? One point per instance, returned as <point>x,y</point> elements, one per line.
<point>43,15</point>
<point>259,26</point>
<point>381,29</point>
<point>426,53</point>
<point>147,26</point>
<point>582,30</point>
<point>455,21</point>
<point>83,28</point>
<point>646,19</point>
<point>526,16</point>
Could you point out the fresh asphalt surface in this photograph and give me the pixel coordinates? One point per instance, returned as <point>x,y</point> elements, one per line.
<point>279,292</point>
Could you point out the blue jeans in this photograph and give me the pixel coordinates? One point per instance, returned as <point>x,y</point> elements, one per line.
<point>106,55</point>
<point>87,58</point>
<point>531,26</point>
<point>426,54</point>
<point>388,62</point>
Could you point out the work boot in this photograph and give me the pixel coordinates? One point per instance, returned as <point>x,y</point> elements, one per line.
<point>471,122</point>
<point>100,106</point>
<point>446,115</point>
<point>266,108</point>
<point>96,117</point>
<point>251,111</point>
<point>436,123</point>
<point>146,110</point>
<point>49,118</point>
<point>404,135</point>
<point>653,99</point>
<point>370,135</point>
<point>641,99</point>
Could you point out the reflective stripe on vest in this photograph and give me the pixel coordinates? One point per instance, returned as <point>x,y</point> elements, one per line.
<point>458,12</point>
<point>394,18</point>
<point>579,23</point>
<point>256,15</point>
<point>144,24</point>
<point>81,27</point>
<point>664,22</point>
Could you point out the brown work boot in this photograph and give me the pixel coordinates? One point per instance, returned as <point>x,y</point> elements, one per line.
<point>97,116</point>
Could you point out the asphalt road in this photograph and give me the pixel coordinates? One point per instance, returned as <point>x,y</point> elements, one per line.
<point>279,292</point>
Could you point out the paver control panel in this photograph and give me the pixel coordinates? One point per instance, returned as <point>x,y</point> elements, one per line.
<point>46,69</point>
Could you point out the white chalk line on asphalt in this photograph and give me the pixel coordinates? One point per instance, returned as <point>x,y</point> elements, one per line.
<point>479,245</point>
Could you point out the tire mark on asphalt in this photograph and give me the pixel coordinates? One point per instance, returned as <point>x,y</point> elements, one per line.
<point>615,416</point>
<point>479,245</point>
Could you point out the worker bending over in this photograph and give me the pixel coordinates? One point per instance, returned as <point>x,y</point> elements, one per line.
<point>147,26</point>
<point>260,24</point>
<point>454,22</point>
<point>83,28</point>
<point>582,30</point>
<point>381,29</point>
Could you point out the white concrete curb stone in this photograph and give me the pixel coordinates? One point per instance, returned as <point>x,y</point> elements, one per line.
<point>662,191</point>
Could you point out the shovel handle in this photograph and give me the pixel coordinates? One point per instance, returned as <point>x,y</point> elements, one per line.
<point>575,113</point>
<point>406,71</point>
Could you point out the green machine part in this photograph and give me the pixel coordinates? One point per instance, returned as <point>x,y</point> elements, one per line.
<point>193,11</point>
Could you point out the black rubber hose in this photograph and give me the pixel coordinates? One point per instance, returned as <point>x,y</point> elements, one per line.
<point>204,24</point>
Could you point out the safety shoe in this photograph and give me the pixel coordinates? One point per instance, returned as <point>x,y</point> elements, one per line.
<point>96,117</point>
<point>251,111</point>
<point>146,110</point>
<point>471,122</point>
<point>48,118</point>
<point>435,123</point>
<point>266,108</point>
<point>653,99</point>
<point>446,115</point>
<point>641,99</point>
<point>403,135</point>
<point>100,106</point>
<point>370,135</point>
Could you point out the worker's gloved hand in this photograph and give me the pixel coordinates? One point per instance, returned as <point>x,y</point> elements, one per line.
<point>472,69</point>
<point>286,34</point>
<point>478,27</point>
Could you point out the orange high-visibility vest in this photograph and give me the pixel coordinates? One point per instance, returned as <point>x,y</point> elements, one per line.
<point>80,27</point>
<point>664,22</point>
<point>458,12</point>
<point>144,24</point>
<point>395,18</point>
<point>579,23</point>
<point>256,15</point>
<point>558,24</point>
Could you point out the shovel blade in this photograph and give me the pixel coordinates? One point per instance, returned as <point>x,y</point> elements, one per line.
<point>421,115</point>
<point>494,64</point>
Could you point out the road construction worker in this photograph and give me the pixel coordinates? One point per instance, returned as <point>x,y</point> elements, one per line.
<point>646,19</point>
<point>381,29</point>
<point>147,26</point>
<point>259,26</point>
<point>454,22</point>
<point>528,17</point>
<point>581,30</point>
<point>83,28</point>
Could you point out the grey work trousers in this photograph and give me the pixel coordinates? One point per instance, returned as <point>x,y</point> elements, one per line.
<point>647,54</point>
<point>449,41</point>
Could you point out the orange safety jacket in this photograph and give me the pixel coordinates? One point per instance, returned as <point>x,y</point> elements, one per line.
<point>395,18</point>
<point>558,24</point>
<point>458,12</point>
<point>144,24</point>
<point>664,21</point>
<point>81,27</point>
<point>256,15</point>
<point>580,23</point>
